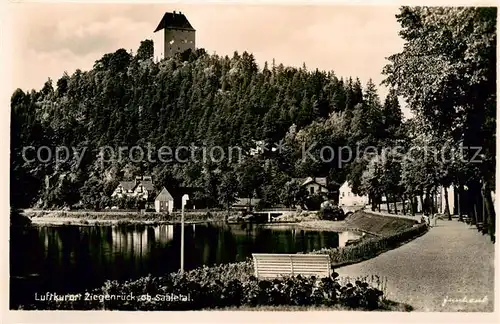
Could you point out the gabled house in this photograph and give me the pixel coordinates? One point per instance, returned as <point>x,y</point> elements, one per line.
<point>314,185</point>
<point>164,202</point>
<point>141,187</point>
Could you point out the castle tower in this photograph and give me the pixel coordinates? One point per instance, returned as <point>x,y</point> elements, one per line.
<point>179,34</point>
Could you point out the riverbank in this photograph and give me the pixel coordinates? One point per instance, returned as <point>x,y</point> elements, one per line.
<point>364,222</point>
<point>49,221</point>
<point>332,226</point>
<point>96,218</point>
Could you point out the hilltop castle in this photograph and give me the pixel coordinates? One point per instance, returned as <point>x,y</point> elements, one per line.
<point>179,34</point>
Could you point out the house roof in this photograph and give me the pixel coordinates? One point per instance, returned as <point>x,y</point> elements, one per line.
<point>148,185</point>
<point>246,202</point>
<point>164,195</point>
<point>127,185</point>
<point>131,185</point>
<point>174,20</point>
<point>308,180</point>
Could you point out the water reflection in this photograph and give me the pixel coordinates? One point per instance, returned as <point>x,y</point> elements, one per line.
<point>73,258</point>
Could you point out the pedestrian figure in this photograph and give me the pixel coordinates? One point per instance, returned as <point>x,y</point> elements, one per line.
<point>432,220</point>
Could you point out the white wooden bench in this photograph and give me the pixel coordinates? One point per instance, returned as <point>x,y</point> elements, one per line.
<point>276,265</point>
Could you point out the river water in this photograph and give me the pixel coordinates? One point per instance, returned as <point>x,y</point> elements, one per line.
<point>75,258</point>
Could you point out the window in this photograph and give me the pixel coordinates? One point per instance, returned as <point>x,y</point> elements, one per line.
<point>312,190</point>
<point>349,194</point>
<point>343,194</point>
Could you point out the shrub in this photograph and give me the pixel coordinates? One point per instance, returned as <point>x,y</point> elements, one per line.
<point>229,285</point>
<point>18,220</point>
<point>314,201</point>
<point>331,212</point>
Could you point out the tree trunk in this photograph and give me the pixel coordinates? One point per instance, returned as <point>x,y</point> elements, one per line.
<point>447,203</point>
<point>490,210</point>
<point>226,218</point>
<point>421,204</point>
<point>395,204</point>
<point>474,219</point>
<point>404,204</point>
<point>426,203</point>
<point>431,203</point>
<point>459,190</point>
<point>485,214</point>
<point>387,202</point>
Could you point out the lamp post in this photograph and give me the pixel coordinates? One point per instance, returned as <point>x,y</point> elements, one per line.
<point>185,198</point>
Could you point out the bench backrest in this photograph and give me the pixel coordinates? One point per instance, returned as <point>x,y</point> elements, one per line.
<point>275,265</point>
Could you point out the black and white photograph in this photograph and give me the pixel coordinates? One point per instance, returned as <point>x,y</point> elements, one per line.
<point>243,157</point>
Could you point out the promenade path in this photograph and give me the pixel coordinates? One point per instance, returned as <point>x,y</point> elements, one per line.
<point>451,262</point>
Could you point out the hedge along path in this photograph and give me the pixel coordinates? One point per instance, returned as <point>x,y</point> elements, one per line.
<point>371,247</point>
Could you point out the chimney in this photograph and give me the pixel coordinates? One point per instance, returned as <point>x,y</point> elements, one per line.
<point>174,12</point>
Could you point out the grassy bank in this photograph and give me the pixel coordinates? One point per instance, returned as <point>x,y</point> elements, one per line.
<point>361,221</point>
<point>377,224</point>
<point>333,226</point>
<point>119,217</point>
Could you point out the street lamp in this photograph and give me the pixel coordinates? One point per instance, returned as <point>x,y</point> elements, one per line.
<point>185,198</point>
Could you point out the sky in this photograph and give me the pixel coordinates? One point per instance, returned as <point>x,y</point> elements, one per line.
<point>51,38</point>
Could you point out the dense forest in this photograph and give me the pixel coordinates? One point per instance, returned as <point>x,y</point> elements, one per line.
<point>129,100</point>
<point>446,75</point>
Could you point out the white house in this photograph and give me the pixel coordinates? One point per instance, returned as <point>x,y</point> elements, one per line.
<point>348,198</point>
<point>164,202</point>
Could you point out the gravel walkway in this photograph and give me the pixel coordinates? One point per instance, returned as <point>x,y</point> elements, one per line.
<point>451,262</point>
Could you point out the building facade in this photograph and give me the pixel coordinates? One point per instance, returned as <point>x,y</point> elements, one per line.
<point>348,198</point>
<point>179,35</point>
<point>315,185</point>
<point>164,202</point>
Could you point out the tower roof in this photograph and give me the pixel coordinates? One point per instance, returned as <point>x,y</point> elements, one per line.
<point>174,20</point>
